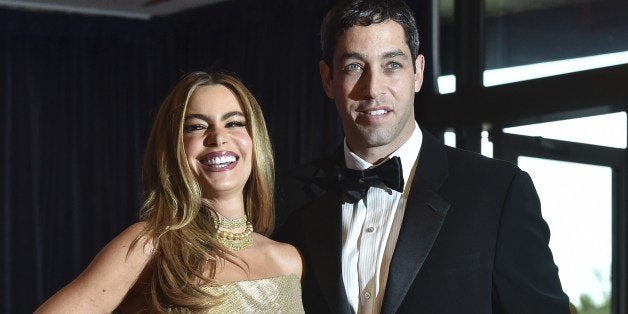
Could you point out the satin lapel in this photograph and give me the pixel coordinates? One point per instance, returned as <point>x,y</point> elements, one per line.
<point>322,226</point>
<point>424,215</point>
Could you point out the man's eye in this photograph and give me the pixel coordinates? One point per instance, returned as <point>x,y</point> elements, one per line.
<point>393,65</point>
<point>353,67</point>
<point>193,127</point>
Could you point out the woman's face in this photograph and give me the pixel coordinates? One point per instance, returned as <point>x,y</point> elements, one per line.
<point>217,144</point>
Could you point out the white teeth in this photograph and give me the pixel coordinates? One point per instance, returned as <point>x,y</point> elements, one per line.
<point>221,161</point>
<point>377,112</point>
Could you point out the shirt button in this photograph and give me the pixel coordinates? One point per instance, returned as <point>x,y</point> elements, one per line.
<point>370,229</point>
<point>367,295</point>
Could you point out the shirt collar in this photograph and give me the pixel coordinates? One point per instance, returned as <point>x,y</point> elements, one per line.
<point>408,153</point>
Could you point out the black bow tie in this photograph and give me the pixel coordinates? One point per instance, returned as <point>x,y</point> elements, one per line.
<point>355,183</point>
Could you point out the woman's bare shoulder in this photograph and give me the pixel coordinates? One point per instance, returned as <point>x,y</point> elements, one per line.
<point>286,256</point>
<point>134,234</point>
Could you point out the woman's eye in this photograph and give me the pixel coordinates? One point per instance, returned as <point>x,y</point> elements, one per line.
<point>236,124</point>
<point>194,127</point>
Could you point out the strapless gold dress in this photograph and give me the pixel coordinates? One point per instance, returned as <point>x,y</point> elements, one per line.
<point>280,294</point>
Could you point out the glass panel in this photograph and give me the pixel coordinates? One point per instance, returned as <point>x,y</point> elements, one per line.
<point>446,84</point>
<point>525,37</point>
<point>605,130</point>
<point>486,146</point>
<point>450,138</point>
<point>577,205</point>
<point>545,69</point>
<point>446,81</point>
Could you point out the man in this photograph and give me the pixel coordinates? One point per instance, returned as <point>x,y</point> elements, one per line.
<point>448,231</point>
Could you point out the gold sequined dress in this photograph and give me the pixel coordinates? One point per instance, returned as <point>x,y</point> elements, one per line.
<point>280,294</point>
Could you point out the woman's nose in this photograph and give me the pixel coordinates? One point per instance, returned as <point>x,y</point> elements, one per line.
<point>216,138</point>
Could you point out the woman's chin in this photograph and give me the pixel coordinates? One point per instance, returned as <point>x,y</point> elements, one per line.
<point>226,189</point>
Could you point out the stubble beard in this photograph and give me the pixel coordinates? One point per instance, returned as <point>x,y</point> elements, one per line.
<point>368,137</point>
<point>372,137</point>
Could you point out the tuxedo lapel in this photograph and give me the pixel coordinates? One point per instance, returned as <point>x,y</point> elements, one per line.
<point>322,227</point>
<point>424,215</point>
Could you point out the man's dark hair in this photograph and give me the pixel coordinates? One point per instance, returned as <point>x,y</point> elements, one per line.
<point>348,13</point>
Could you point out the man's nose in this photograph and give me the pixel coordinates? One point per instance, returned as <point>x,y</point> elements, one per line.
<point>373,84</point>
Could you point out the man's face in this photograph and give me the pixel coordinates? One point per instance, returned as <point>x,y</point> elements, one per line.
<point>373,84</point>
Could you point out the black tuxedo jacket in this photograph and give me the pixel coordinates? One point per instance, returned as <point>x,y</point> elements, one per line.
<point>472,238</point>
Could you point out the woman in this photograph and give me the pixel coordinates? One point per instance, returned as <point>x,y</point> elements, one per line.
<point>201,245</point>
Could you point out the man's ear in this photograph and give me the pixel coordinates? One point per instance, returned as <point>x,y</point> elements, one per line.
<point>325,72</point>
<point>418,75</point>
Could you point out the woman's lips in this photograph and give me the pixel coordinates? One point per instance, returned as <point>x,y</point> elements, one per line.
<point>219,161</point>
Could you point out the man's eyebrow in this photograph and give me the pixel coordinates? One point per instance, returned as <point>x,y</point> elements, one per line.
<point>385,55</point>
<point>393,54</point>
<point>352,55</point>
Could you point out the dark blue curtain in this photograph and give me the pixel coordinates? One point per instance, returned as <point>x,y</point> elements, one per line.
<point>78,94</point>
<point>75,108</point>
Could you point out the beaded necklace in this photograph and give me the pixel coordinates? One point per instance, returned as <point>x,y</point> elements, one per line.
<point>234,240</point>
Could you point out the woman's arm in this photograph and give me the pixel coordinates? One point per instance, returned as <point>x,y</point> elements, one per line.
<point>107,279</point>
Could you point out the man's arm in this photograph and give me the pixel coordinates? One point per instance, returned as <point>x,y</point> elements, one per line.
<point>525,278</point>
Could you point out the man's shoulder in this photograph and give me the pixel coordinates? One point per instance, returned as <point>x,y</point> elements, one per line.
<point>317,168</point>
<point>466,158</point>
<point>310,168</point>
<point>302,185</point>
<point>466,165</point>
<point>437,153</point>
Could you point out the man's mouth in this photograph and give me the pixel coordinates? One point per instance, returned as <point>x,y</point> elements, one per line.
<point>377,112</point>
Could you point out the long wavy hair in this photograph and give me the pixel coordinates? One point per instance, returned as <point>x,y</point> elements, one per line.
<point>179,223</point>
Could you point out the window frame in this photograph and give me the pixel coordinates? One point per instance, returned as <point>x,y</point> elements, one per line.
<point>474,107</point>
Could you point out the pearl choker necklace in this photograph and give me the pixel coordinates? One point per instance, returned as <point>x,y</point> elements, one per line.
<point>237,241</point>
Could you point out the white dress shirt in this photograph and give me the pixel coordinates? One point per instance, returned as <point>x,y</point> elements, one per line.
<point>370,228</point>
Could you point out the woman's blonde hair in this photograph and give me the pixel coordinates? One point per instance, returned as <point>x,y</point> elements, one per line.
<point>179,222</point>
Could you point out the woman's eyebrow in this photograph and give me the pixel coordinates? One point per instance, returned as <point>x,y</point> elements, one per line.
<point>205,118</point>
